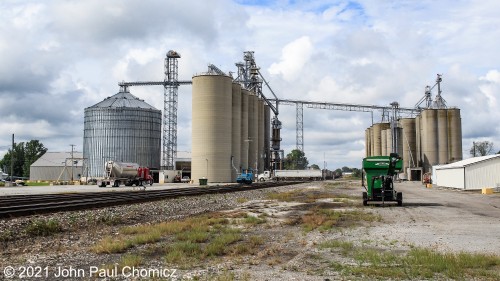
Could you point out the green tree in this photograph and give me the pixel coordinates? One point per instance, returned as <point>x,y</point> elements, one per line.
<point>356,173</point>
<point>33,150</point>
<point>315,167</point>
<point>24,156</point>
<point>346,169</point>
<point>295,160</point>
<point>481,148</point>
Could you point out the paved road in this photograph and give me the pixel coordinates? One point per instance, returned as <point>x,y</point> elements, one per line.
<point>445,219</point>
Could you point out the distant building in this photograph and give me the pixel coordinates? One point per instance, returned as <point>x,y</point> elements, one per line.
<point>3,175</point>
<point>183,162</point>
<point>57,166</point>
<point>473,173</point>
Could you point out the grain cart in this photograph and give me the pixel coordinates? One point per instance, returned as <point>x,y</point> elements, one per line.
<point>380,172</point>
<point>129,174</point>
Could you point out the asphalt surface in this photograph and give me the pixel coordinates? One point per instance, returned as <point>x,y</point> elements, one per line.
<point>445,219</point>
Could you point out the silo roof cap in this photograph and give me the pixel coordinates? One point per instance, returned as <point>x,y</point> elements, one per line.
<point>123,99</point>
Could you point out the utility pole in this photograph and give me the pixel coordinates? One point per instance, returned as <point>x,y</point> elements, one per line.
<point>72,146</point>
<point>12,161</point>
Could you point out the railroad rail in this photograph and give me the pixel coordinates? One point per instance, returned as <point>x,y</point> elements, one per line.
<point>27,205</point>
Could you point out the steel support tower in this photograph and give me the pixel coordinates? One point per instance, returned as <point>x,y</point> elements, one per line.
<point>300,126</point>
<point>171,87</point>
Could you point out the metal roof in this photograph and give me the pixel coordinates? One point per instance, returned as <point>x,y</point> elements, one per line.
<point>467,162</point>
<point>123,99</point>
<point>58,159</point>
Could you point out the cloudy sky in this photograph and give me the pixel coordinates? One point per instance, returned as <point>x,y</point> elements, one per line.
<point>59,57</point>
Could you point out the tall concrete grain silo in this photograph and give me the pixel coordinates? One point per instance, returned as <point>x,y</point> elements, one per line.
<point>384,137</point>
<point>408,140</point>
<point>429,138</point>
<point>244,128</point>
<point>418,140</point>
<point>443,149</point>
<point>368,146</point>
<point>267,136</point>
<point>212,123</point>
<point>372,141</point>
<point>121,128</point>
<point>377,137</point>
<point>398,140</point>
<point>455,135</point>
<point>236,131</point>
<point>253,130</point>
<point>260,143</point>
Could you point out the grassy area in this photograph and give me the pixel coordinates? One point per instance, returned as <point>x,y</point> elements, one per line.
<point>326,219</point>
<point>304,196</point>
<point>417,263</point>
<point>30,183</point>
<point>215,237</point>
<point>41,227</point>
<point>188,241</point>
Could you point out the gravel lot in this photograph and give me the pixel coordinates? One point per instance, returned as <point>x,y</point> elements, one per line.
<point>441,219</point>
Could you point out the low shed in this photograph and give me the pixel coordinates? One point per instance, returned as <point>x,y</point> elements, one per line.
<point>472,173</point>
<point>57,166</point>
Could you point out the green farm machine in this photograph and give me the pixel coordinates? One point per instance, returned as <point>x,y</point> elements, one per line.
<point>380,172</point>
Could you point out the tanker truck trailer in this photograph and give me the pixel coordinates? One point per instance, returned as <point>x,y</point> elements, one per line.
<point>129,174</point>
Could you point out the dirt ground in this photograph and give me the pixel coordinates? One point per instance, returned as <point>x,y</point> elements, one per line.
<point>443,220</point>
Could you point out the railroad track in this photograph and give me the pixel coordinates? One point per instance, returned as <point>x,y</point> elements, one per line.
<point>27,205</point>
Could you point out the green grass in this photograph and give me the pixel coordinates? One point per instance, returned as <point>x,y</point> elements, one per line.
<point>326,219</point>
<point>417,263</point>
<point>253,220</point>
<point>110,245</point>
<point>37,183</point>
<point>344,246</point>
<point>242,200</point>
<point>41,227</point>
<point>188,241</point>
<point>306,196</point>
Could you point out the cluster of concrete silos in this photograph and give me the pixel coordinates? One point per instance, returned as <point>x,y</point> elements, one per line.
<point>433,137</point>
<point>230,129</point>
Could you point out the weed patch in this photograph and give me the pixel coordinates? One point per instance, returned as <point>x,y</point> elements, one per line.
<point>43,227</point>
<point>418,263</point>
<point>326,219</point>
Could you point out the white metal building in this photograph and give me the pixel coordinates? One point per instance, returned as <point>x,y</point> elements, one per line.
<point>472,173</point>
<point>57,166</point>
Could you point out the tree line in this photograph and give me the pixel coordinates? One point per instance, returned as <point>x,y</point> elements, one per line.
<point>22,155</point>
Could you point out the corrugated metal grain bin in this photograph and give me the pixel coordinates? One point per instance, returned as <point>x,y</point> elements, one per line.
<point>121,128</point>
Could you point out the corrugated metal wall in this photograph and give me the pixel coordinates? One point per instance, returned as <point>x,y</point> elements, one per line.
<point>453,178</point>
<point>121,134</point>
<point>52,173</point>
<point>483,174</point>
